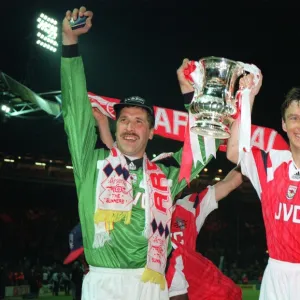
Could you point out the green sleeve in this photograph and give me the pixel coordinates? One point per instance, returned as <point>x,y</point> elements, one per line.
<point>78,118</point>
<point>173,172</point>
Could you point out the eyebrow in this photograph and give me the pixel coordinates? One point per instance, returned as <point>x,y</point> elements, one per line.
<point>293,115</point>
<point>141,119</point>
<point>128,116</point>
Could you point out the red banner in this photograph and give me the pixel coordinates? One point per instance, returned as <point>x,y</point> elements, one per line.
<point>170,123</point>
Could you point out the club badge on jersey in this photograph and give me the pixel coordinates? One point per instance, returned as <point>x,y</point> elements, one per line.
<point>291,192</point>
<point>180,223</point>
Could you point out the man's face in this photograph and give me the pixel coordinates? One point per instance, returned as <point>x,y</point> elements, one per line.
<point>133,131</point>
<point>291,125</point>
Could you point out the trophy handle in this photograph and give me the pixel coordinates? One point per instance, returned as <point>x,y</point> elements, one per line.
<point>252,69</point>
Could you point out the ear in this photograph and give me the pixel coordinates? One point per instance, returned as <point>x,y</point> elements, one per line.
<point>283,125</point>
<point>151,134</point>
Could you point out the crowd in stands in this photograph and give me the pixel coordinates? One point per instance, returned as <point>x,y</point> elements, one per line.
<point>54,279</point>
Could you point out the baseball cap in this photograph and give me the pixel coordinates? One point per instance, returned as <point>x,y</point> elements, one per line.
<point>135,101</point>
<point>75,243</point>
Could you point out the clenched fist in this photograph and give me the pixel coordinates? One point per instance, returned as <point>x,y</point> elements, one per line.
<point>70,36</point>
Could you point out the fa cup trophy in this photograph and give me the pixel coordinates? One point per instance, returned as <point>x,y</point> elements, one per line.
<point>215,101</point>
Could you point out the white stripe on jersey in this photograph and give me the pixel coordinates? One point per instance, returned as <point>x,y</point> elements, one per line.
<point>249,169</point>
<point>207,204</point>
<point>277,157</point>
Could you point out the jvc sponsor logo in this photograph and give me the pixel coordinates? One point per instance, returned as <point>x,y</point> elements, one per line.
<point>287,212</point>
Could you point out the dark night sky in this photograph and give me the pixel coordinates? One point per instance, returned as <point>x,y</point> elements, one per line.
<point>135,48</point>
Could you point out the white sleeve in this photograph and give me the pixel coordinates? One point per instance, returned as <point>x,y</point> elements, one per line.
<point>207,204</point>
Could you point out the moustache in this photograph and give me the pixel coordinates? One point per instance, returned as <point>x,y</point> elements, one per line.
<point>130,134</point>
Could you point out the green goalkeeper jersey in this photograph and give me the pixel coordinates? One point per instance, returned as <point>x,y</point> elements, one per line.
<point>127,247</point>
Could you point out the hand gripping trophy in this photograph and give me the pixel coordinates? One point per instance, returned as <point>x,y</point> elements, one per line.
<point>216,101</point>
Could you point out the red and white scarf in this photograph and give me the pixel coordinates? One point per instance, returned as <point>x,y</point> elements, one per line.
<point>114,200</point>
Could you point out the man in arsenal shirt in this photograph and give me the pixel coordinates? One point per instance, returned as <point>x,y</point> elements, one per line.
<point>276,178</point>
<point>190,275</point>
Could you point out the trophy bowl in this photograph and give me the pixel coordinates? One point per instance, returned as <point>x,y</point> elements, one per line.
<point>215,103</point>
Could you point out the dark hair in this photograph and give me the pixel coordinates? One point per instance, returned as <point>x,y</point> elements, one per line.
<point>292,95</point>
<point>149,116</point>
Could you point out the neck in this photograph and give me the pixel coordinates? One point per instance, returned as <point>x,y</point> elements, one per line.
<point>296,156</point>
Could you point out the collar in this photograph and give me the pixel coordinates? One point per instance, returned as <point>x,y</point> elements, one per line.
<point>134,164</point>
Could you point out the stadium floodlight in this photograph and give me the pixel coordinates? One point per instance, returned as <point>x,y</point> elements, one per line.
<point>9,160</point>
<point>40,164</point>
<point>47,33</point>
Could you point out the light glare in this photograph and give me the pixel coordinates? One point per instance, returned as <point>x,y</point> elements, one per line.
<point>5,108</point>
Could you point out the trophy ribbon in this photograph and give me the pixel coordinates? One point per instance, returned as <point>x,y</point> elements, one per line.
<point>209,142</point>
<point>245,112</point>
<point>191,152</point>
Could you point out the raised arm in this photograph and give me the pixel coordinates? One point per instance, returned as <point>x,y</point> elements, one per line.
<point>185,86</point>
<point>103,127</point>
<point>177,160</point>
<point>232,181</point>
<point>233,142</point>
<point>171,166</point>
<point>77,113</point>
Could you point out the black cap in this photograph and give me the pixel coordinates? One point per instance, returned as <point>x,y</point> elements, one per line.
<point>135,101</point>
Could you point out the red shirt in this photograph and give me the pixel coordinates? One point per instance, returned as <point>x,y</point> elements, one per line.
<point>276,180</point>
<point>189,216</point>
